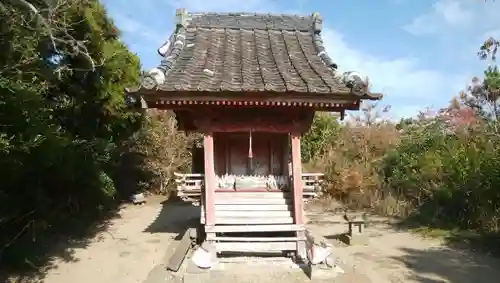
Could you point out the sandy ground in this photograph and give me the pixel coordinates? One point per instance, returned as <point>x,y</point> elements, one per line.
<point>397,256</point>
<point>134,249</point>
<point>134,244</point>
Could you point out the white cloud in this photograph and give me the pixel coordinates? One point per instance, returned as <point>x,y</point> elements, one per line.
<point>495,33</point>
<point>129,25</point>
<point>444,15</point>
<point>222,5</point>
<point>400,78</point>
<point>457,17</point>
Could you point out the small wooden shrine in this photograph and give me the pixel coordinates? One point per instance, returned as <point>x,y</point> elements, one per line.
<point>250,83</point>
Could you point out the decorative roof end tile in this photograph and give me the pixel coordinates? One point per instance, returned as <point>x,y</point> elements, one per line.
<point>181,17</point>
<point>354,81</point>
<point>318,23</point>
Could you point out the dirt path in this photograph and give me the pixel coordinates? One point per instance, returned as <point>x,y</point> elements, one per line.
<point>399,256</point>
<point>138,241</point>
<point>132,246</point>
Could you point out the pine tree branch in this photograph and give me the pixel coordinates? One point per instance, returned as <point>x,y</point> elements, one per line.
<point>78,47</point>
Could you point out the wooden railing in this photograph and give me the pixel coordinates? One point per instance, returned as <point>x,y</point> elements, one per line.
<point>189,186</point>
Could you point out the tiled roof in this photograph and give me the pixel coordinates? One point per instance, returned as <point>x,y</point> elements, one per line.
<point>239,52</point>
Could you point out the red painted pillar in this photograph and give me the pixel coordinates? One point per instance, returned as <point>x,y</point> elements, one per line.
<point>297,179</point>
<point>208,145</point>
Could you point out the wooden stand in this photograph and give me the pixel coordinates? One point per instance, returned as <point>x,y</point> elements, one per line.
<point>356,235</point>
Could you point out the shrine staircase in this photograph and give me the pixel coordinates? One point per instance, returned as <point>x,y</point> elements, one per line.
<point>251,222</point>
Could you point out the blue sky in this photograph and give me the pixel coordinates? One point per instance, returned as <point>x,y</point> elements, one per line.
<point>419,53</point>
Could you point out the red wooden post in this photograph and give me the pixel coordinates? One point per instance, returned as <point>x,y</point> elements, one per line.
<point>298,203</point>
<point>297,179</point>
<point>208,144</point>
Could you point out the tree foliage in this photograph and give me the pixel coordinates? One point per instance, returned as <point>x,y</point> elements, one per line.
<point>483,95</point>
<point>440,168</point>
<point>158,150</point>
<point>324,132</point>
<point>62,116</point>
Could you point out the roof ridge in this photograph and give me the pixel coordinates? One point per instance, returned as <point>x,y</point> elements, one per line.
<point>264,21</point>
<point>251,14</point>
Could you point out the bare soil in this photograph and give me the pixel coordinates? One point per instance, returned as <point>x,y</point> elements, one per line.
<point>135,248</point>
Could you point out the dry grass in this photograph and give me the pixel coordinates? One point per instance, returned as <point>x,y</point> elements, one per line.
<point>352,164</point>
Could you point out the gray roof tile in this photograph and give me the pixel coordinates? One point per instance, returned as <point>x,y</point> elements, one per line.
<point>239,52</point>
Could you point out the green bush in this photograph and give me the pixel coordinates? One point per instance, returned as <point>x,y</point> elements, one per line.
<point>452,178</point>
<point>324,132</point>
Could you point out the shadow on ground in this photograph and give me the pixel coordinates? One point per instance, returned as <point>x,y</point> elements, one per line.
<point>37,258</point>
<point>34,255</point>
<point>176,216</point>
<point>336,236</point>
<point>467,257</point>
<point>449,265</point>
<point>487,243</point>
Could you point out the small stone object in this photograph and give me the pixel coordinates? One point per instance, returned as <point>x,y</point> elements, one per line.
<point>328,269</point>
<point>318,250</point>
<point>318,254</point>
<point>204,256</point>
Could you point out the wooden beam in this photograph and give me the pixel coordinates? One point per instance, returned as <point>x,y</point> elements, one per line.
<point>227,154</point>
<point>197,97</point>
<point>250,207</point>
<point>251,201</point>
<point>252,220</point>
<point>256,239</point>
<point>270,157</point>
<point>297,179</point>
<point>298,202</point>
<point>286,156</point>
<point>254,228</point>
<point>338,109</point>
<point>255,247</point>
<point>210,181</point>
<point>253,213</point>
<point>259,195</point>
<point>175,261</point>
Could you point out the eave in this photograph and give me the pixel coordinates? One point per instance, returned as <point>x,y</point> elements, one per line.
<point>319,101</point>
